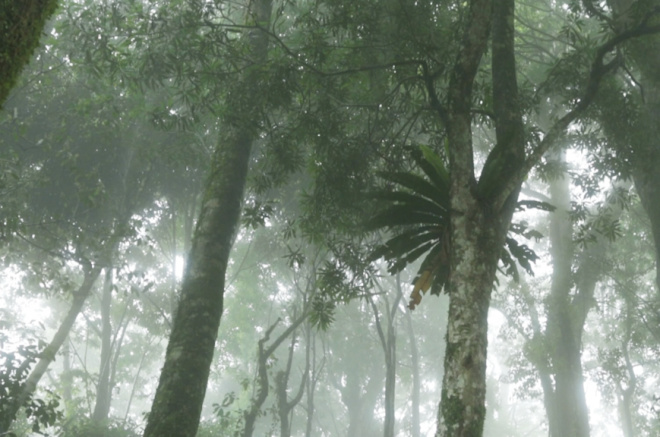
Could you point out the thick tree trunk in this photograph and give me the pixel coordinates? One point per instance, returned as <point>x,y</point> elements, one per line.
<point>49,353</point>
<point>21,26</point>
<point>480,214</point>
<point>177,405</point>
<point>476,246</point>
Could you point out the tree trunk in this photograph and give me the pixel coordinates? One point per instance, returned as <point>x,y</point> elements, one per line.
<point>626,394</point>
<point>67,378</point>
<point>102,406</point>
<point>21,26</point>
<point>414,363</point>
<point>388,343</point>
<point>251,414</point>
<point>177,405</point>
<point>312,378</point>
<point>284,406</point>
<point>567,413</point>
<point>49,353</point>
<point>480,214</point>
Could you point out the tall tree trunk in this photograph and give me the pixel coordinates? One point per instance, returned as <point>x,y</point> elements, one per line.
<point>625,394</point>
<point>388,343</point>
<point>67,378</point>
<point>49,353</point>
<point>177,405</point>
<point>102,406</point>
<point>414,362</point>
<point>480,214</point>
<point>568,414</point>
<point>313,377</point>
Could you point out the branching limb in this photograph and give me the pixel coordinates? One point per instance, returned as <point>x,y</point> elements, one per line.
<point>599,69</point>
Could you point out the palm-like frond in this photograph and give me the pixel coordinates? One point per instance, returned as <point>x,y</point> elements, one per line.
<point>419,211</point>
<point>423,211</point>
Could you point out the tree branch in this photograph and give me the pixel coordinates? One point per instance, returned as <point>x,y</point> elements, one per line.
<point>598,71</point>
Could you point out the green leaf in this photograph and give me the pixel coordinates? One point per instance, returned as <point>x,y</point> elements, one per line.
<point>418,185</point>
<point>412,201</point>
<point>400,215</point>
<point>438,165</point>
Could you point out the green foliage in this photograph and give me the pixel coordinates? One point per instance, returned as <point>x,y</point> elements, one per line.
<point>84,427</point>
<point>14,369</point>
<point>420,215</point>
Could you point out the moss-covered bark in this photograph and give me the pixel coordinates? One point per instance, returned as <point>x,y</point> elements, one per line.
<point>21,25</point>
<point>480,214</point>
<point>177,405</point>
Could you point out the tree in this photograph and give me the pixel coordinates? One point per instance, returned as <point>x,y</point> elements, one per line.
<point>21,26</point>
<point>177,405</point>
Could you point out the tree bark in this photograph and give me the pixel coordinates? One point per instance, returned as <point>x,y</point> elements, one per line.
<point>480,215</point>
<point>49,353</point>
<point>21,26</point>
<point>177,405</point>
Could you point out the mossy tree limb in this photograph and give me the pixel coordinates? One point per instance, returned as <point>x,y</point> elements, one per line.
<point>21,26</point>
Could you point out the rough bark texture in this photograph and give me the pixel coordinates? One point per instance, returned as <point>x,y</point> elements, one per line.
<point>21,26</point>
<point>177,406</point>
<point>49,353</point>
<point>479,219</point>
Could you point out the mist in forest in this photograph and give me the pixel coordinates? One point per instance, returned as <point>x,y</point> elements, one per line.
<point>329,219</point>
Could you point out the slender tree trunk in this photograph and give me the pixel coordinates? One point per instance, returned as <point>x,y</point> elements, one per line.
<point>388,343</point>
<point>414,362</point>
<point>102,406</point>
<point>67,379</point>
<point>626,394</point>
<point>251,414</point>
<point>177,405</point>
<point>568,413</point>
<point>136,379</point>
<point>313,377</point>
<point>49,353</point>
<point>284,406</point>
